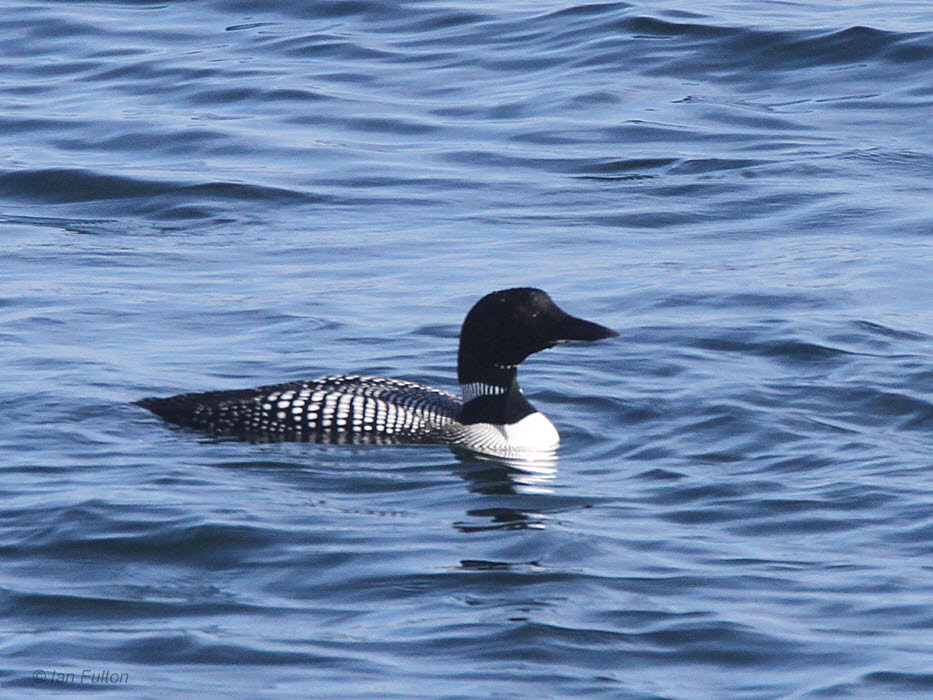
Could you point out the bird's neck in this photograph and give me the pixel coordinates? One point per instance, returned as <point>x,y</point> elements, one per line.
<point>494,401</point>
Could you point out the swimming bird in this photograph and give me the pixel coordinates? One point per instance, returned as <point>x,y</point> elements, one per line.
<point>491,417</point>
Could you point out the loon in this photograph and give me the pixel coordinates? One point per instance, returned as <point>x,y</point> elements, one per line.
<point>493,417</point>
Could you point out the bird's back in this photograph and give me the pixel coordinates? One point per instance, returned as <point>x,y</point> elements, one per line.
<point>338,409</point>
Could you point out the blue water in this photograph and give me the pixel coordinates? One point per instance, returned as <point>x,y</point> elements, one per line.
<point>224,194</point>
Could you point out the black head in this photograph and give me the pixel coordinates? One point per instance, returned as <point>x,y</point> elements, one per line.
<point>505,327</point>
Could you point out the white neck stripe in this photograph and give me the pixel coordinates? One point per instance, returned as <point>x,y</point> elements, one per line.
<point>475,389</point>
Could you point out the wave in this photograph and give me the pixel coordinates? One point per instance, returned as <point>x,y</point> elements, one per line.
<point>66,185</point>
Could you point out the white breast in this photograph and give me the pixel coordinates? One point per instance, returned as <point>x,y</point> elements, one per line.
<point>534,432</point>
<point>531,435</point>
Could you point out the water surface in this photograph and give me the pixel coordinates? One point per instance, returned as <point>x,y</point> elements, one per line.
<point>214,195</point>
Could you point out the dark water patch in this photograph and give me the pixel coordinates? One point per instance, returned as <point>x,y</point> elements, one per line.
<point>899,681</point>
<point>491,519</point>
<point>675,299</point>
<point>729,431</point>
<point>631,166</point>
<point>42,33</point>
<point>725,643</point>
<point>392,126</point>
<point>187,213</point>
<point>658,474</point>
<point>650,454</point>
<point>150,77</point>
<point>97,609</point>
<point>703,516</point>
<point>919,613</point>
<point>74,186</point>
<point>640,131</point>
<point>652,220</point>
<point>68,186</point>
<point>324,46</point>
<point>886,331</point>
<point>292,95</point>
<point>645,27</point>
<point>798,525</point>
<point>896,163</point>
<point>862,405</point>
<point>250,25</point>
<point>587,10</point>
<point>918,539</point>
<point>437,21</point>
<point>844,46</point>
<point>481,565</point>
<point>368,11</point>
<point>237,190</point>
<point>875,339</point>
<point>377,182</point>
<point>791,351</point>
<point>743,300</point>
<point>801,463</point>
<point>199,648</point>
<point>761,119</point>
<point>709,165</point>
<point>707,492</point>
<point>620,412</point>
<point>831,508</point>
<point>212,545</point>
<point>797,351</point>
<point>725,53</point>
<point>648,620</point>
<point>722,643</point>
<point>186,141</point>
<point>99,227</point>
<point>912,48</point>
<point>497,160</point>
<point>36,125</point>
